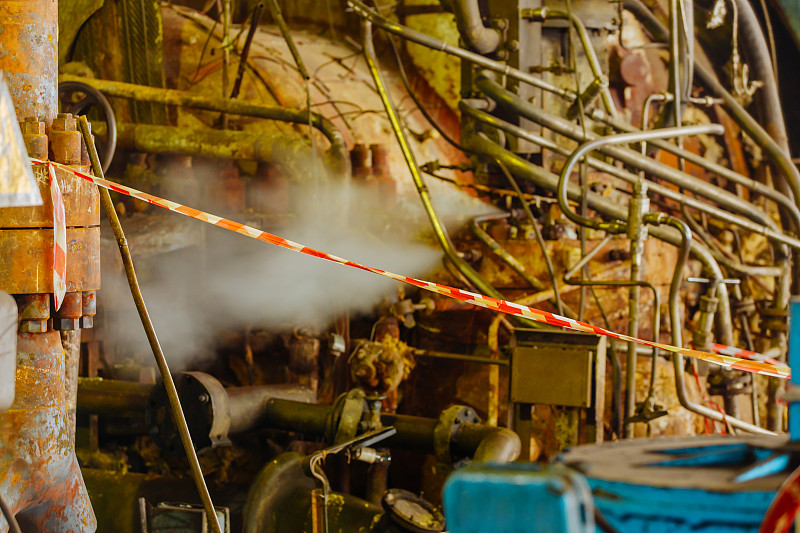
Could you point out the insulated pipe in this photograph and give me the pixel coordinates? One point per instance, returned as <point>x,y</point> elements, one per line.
<point>633,158</point>
<point>224,144</point>
<point>470,25</point>
<point>435,44</point>
<point>143,93</point>
<point>657,188</point>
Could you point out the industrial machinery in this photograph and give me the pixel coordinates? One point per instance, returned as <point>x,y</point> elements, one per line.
<point>566,233</point>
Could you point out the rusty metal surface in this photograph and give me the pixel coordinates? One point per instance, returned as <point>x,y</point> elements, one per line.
<point>26,260</point>
<point>29,55</point>
<point>39,473</point>
<point>81,204</point>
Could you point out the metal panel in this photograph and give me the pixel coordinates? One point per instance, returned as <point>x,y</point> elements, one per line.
<point>552,375</point>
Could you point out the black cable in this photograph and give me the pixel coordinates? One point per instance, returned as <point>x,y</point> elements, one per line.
<point>416,101</point>
<point>13,525</point>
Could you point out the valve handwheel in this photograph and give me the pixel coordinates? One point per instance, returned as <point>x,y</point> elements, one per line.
<point>79,99</point>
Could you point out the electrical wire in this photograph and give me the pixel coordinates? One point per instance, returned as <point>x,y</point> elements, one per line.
<point>425,113</point>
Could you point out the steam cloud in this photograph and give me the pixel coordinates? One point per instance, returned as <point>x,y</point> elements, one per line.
<point>237,282</point>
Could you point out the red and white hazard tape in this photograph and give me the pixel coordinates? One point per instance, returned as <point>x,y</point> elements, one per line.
<point>59,240</point>
<point>494,304</point>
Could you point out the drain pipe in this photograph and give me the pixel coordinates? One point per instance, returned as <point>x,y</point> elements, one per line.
<point>470,25</point>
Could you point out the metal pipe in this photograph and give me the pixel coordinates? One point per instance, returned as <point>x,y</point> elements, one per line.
<point>507,258</point>
<point>100,396</point>
<point>223,144</point>
<point>538,233</point>
<point>470,25</point>
<point>435,44</point>
<point>783,163</point>
<point>544,13</point>
<point>715,168</point>
<point>549,181</point>
<point>438,228</point>
<point>620,138</point>
<point>633,158</point>
<point>487,444</point>
<point>29,61</point>
<point>677,336</point>
<point>236,107</point>
<point>161,361</point>
<point>662,190</point>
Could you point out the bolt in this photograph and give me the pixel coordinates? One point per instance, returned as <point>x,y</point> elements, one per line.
<point>203,398</point>
<point>87,322</point>
<point>32,126</point>
<point>33,326</point>
<point>66,324</point>
<point>64,122</point>
<point>512,45</point>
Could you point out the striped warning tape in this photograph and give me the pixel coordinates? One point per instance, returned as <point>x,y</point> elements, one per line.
<point>745,354</point>
<point>59,240</point>
<point>494,304</point>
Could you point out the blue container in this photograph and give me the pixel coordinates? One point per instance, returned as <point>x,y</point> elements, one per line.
<point>517,498</point>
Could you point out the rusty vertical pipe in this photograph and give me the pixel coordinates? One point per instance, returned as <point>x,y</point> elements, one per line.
<point>29,38</point>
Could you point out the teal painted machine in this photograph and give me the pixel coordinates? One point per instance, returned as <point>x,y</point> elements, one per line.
<point>713,484</point>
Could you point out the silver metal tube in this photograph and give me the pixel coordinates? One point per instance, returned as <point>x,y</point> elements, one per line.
<point>621,138</point>
<point>677,337</point>
<point>633,158</point>
<point>721,171</point>
<point>632,178</point>
<point>470,25</point>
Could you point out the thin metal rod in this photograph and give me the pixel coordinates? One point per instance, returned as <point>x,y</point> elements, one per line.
<point>277,17</point>
<point>430,42</point>
<point>251,32</point>
<point>161,361</point>
<point>459,357</point>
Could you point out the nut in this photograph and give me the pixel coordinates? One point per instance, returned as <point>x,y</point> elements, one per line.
<point>66,324</point>
<point>33,326</point>
<point>64,122</point>
<point>32,126</point>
